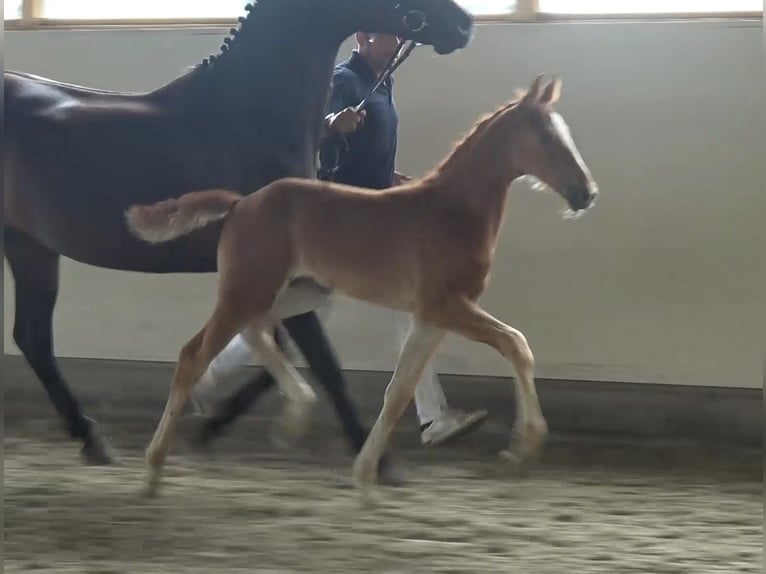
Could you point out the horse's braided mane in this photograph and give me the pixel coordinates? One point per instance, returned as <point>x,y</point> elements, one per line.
<point>246,23</point>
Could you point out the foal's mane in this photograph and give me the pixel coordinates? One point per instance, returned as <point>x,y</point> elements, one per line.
<point>477,130</point>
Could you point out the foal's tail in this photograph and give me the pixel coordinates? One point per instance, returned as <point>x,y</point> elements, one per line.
<point>174,217</point>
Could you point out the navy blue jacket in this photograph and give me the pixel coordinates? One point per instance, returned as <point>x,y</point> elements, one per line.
<point>369,158</point>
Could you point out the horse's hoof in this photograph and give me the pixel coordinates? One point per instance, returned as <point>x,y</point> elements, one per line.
<point>96,451</point>
<point>150,490</point>
<point>281,438</point>
<point>513,459</point>
<point>363,473</point>
<point>285,434</point>
<point>526,442</point>
<point>522,456</point>
<point>390,474</point>
<point>293,425</point>
<point>521,466</point>
<point>152,486</point>
<point>364,478</point>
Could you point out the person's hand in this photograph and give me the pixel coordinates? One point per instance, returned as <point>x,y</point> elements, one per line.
<point>400,178</point>
<point>346,121</point>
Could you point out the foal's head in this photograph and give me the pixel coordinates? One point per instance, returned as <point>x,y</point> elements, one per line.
<point>544,147</point>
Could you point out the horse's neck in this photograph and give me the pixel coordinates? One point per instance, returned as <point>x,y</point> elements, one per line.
<point>282,81</point>
<point>270,86</point>
<point>477,175</point>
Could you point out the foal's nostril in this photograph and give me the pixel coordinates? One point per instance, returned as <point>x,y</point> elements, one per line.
<point>582,197</point>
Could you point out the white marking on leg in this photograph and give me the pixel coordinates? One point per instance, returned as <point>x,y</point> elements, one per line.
<point>419,345</point>
<point>186,372</point>
<point>530,427</point>
<point>156,452</point>
<point>470,320</point>
<point>300,396</point>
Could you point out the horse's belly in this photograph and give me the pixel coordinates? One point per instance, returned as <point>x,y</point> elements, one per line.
<point>375,284</point>
<point>103,240</point>
<point>86,222</point>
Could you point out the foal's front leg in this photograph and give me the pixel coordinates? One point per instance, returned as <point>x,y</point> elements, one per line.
<point>420,343</point>
<point>468,319</point>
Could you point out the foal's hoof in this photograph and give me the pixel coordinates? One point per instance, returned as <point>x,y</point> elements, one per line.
<point>96,451</point>
<point>526,449</point>
<point>280,438</point>
<point>517,462</point>
<point>363,474</point>
<point>521,466</point>
<point>152,486</point>
<point>154,470</point>
<point>389,473</point>
<point>284,435</point>
<point>287,431</point>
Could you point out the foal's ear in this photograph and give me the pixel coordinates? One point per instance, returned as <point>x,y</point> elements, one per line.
<point>552,91</point>
<point>534,92</point>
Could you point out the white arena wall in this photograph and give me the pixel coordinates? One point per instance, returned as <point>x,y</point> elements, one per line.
<point>663,282</point>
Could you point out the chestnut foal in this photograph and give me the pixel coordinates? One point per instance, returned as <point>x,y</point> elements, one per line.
<point>425,247</point>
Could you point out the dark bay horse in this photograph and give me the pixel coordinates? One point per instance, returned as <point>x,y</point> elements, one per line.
<point>75,158</point>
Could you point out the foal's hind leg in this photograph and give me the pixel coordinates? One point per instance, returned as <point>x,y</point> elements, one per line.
<point>193,359</point>
<point>300,397</point>
<point>36,276</point>
<point>468,319</point>
<point>306,330</point>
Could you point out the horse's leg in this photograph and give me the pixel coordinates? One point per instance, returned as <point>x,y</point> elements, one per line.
<point>36,276</point>
<point>468,319</point>
<point>295,307</point>
<point>420,343</point>
<point>300,396</point>
<point>300,297</point>
<point>308,334</point>
<point>239,402</point>
<point>194,358</point>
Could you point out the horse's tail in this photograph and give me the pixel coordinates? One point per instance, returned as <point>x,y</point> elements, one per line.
<point>175,217</point>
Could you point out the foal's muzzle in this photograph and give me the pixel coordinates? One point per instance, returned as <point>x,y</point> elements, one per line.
<point>581,198</point>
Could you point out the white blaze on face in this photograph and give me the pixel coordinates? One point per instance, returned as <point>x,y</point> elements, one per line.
<point>562,129</point>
